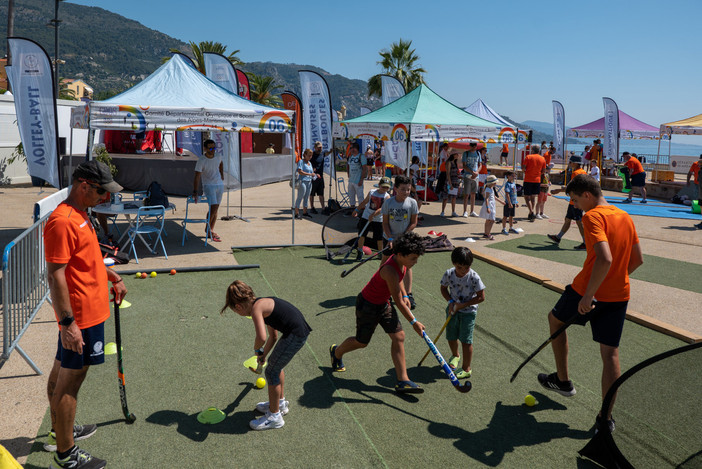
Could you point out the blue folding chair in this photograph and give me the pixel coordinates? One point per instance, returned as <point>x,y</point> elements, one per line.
<point>343,195</point>
<point>189,218</point>
<point>149,221</point>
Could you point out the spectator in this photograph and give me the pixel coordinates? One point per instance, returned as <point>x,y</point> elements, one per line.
<point>318,157</point>
<point>305,174</point>
<point>271,149</point>
<point>210,171</point>
<point>471,164</point>
<point>356,171</point>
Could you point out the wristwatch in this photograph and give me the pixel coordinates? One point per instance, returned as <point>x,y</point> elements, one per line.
<point>67,321</point>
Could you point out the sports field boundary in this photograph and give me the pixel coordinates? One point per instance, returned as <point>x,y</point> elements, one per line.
<point>639,318</point>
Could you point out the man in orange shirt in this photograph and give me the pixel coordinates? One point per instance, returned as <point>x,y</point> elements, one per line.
<point>613,253</point>
<point>534,166</point>
<point>695,171</point>
<point>573,213</point>
<point>80,297</point>
<point>637,174</point>
<point>504,154</point>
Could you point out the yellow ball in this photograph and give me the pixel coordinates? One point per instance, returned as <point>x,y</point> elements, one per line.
<point>530,400</point>
<point>153,274</point>
<point>138,275</point>
<point>260,383</point>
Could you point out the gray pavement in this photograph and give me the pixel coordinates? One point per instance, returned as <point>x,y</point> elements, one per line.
<point>22,394</point>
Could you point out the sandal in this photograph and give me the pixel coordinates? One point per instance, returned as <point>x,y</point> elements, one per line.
<point>488,237</point>
<point>215,237</point>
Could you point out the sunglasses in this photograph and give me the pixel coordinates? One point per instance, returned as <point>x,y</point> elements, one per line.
<point>99,189</point>
<point>211,148</point>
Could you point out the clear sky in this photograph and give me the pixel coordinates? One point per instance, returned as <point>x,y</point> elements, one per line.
<point>517,56</point>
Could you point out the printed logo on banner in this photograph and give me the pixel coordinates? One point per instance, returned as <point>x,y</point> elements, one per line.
<point>506,135</point>
<point>399,133</point>
<point>32,65</point>
<point>434,131</point>
<point>274,121</point>
<point>136,114</point>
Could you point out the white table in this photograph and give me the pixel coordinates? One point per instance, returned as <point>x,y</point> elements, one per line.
<point>126,208</point>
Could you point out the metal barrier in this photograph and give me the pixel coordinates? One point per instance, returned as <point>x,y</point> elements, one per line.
<point>24,288</point>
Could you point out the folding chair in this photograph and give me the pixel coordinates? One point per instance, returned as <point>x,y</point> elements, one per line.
<point>149,221</point>
<point>113,218</point>
<point>341,186</point>
<point>200,200</point>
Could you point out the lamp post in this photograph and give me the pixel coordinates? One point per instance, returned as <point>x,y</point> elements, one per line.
<point>55,22</point>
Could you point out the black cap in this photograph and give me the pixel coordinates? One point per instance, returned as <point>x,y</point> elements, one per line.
<point>97,172</point>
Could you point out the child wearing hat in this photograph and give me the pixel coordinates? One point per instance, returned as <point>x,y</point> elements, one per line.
<point>488,209</point>
<point>370,210</point>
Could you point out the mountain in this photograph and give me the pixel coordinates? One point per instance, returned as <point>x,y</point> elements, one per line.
<point>112,53</point>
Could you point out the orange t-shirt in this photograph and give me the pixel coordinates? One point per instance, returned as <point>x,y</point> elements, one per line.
<point>69,238</point>
<point>614,226</point>
<point>505,148</point>
<point>634,165</point>
<point>547,158</point>
<point>572,175</point>
<point>533,165</point>
<point>695,170</point>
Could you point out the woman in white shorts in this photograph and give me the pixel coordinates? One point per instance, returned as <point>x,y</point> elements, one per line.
<point>210,171</point>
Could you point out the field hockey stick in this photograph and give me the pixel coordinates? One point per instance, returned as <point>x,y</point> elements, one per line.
<point>346,272</point>
<point>355,244</point>
<point>444,366</point>
<point>120,369</point>
<point>542,346</point>
<point>437,338</point>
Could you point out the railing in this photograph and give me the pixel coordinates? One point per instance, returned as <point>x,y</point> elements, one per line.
<point>24,288</point>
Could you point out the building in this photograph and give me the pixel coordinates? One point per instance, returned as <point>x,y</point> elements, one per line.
<point>81,90</point>
<point>3,75</point>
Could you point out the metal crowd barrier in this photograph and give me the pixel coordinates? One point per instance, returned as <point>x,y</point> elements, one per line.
<point>24,288</point>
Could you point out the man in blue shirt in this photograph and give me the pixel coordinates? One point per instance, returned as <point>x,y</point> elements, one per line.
<point>357,173</point>
<point>471,164</point>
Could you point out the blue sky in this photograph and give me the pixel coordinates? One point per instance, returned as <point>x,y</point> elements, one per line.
<point>517,56</point>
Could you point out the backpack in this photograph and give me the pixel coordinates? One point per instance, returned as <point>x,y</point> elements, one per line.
<point>113,252</point>
<point>333,205</point>
<point>155,195</point>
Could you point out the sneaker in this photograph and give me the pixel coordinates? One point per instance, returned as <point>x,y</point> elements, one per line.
<point>413,304</point>
<point>538,217</point>
<point>643,201</point>
<point>463,374</point>
<point>306,214</point>
<point>505,232</point>
<point>268,421</point>
<point>314,210</point>
<point>264,407</point>
<point>474,215</point>
<point>298,216</point>
<point>698,226</point>
<point>465,214</point>
<point>336,363</point>
<point>442,214</point>
<point>552,383</point>
<point>530,217</point>
<point>626,201</point>
<point>80,432</point>
<point>454,214</point>
<point>359,254</point>
<point>600,424</point>
<point>580,247</point>
<point>554,238</point>
<point>453,362</point>
<point>513,230</point>
<point>408,387</point>
<point>544,216</point>
<point>77,459</point>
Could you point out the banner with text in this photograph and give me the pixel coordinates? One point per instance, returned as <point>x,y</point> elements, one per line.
<point>33,87</point>
<point>316,113</point>
<point>558,130</point>
<point>610,145</point>
<point>291,102</point>
<point>396,147</point>
<point>243,81</point>
<point>391,89</point>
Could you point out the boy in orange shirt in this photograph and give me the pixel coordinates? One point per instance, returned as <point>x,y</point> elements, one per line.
<point>613,253</point>
<point>573,213</point>
<point>637,174</point>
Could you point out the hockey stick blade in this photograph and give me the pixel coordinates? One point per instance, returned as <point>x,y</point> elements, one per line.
<point>466,387</point>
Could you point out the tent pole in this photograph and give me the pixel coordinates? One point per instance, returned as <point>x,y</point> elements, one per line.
<point>514,153</point>
<point>658,153</point>
<point>292,179</point>
<point>241,187</point>
<point>332,169</point>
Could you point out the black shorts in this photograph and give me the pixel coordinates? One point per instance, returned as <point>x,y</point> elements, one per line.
<point>369,315</point>
<point>638,180</point>
<point>606,319</point>
<point>93,350</point>
<point>504,155</point>
<point>507,211</point>
<point>531,188</point>
<point>374,230</point>
<point>318,187</point>
<point>574,213</point>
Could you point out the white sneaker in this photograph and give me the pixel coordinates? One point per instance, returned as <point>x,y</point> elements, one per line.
<point>473,214</point>
<point>538,217</point>
<point>465,214</point>
<point>442,214</point>
<point>544,216</point>
<point>267,422</point>
<point>264,407</point>
<point>454,214</point>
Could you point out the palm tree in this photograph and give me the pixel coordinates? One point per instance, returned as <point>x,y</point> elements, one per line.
<point>262,89</point>
<point>207,46</point>
<point>65,92</point>
<point>399,62</point>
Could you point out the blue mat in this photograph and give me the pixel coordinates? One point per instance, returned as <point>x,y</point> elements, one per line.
<point>652,209</point>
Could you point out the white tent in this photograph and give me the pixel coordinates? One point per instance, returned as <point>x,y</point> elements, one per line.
<point>482,110</point>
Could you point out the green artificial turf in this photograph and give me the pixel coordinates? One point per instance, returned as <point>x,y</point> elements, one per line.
<point>181,357</point>
<point>655,269</point>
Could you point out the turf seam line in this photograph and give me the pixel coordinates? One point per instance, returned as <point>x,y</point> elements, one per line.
<point>336,390</point>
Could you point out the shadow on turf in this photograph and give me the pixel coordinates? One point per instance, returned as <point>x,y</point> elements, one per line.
<point>511,426</point>
<point>236,423</point>
<point>337,303</point>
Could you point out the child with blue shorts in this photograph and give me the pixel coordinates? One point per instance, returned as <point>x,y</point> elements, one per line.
<point>462,288</point>
<point>270,316</point>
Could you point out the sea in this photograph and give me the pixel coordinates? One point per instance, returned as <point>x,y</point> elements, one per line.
<point>649,148</point>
